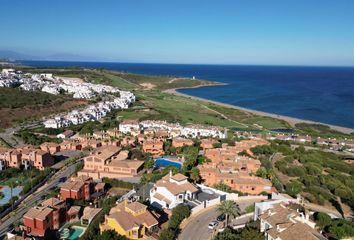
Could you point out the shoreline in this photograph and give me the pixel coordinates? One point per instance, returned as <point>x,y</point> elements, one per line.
<point>291,120</point>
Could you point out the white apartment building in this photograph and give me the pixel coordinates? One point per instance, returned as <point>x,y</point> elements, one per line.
<point>129,126</point>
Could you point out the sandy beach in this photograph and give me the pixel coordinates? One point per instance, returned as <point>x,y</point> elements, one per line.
<point>291,120</point>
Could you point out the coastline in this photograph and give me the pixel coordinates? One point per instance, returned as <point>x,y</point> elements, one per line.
<point>291,120</point>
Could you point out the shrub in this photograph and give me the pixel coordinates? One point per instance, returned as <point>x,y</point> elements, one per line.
<point>293,188</point>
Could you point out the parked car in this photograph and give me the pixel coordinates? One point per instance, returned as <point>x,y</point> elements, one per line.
<point>213,224</point>
<point>221,217</point>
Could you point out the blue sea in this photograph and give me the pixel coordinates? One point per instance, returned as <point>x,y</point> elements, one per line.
<point>323,94</point>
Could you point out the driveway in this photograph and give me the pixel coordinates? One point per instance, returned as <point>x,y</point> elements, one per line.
<point>197,227</point>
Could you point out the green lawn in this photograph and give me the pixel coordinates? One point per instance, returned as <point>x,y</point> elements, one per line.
<point>320,130</point>
<point>164,106</point>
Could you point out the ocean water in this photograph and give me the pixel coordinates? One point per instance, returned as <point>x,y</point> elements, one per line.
<point>323,94</point>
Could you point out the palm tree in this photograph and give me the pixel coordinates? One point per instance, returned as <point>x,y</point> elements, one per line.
<point>230,209</point>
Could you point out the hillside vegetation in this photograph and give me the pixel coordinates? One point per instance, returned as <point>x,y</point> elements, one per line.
<point>320,177</point>
<point>17,105</point>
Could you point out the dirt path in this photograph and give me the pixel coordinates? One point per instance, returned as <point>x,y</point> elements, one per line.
<point>173,79</point>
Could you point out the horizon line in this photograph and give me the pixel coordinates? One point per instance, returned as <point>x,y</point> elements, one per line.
<point>201,64</point>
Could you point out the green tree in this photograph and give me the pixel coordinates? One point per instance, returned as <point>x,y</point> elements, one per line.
<point>194,174</point>
<point>251,233</point>
<point>149,164</point>
<point>110,235</point>
<point>247,233</point>
<point>293,188</point>
<point>322,219</point>
<point>178,214</point>
<point>230,209</point>
<point>167,234</point>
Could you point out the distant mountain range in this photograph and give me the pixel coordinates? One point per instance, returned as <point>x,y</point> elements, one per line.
<point>13,55</point>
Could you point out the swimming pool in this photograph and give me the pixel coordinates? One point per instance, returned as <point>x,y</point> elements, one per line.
<point>165,162</point>
<point>72,233</point>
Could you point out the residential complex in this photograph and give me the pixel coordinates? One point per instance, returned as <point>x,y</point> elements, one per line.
<point>26,157</point>
<point>172,129</point>
<point>46,82</point>
<point>91,112</point>
<point>110,162</point>
<point>237,172</point>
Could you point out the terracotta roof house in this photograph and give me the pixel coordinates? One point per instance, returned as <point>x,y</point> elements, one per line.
<point>9,158</point>
<point>50,147</point>
<point>235,175</point>
<point>70,145</point>
<point>180,142</point>
<point>153,146</point>
<point>282,223</point>
<point>110,162</point>
<point>172,190</point>
<point>49,215</point>
<point>79,188</point>
<point>93,143</point>
<point>89,215</point>
<point>73,214</point>
<point>207,143</point>
<point>132,220</point>
<point>36,158</point>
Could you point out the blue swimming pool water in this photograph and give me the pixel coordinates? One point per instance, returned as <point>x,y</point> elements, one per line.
<point>162,162</point>
<point>76,233</point>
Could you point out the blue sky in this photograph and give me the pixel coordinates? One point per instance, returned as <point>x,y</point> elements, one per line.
<point>300,32</point>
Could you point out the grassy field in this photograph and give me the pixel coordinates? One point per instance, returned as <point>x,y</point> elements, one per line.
<point>164,106</point>
<point>320,130</point>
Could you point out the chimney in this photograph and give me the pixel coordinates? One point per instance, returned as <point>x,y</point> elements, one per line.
<point>170,173</point>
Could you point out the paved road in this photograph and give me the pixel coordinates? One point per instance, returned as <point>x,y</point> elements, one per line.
<point>34,199</point>
<point>197,228</point>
